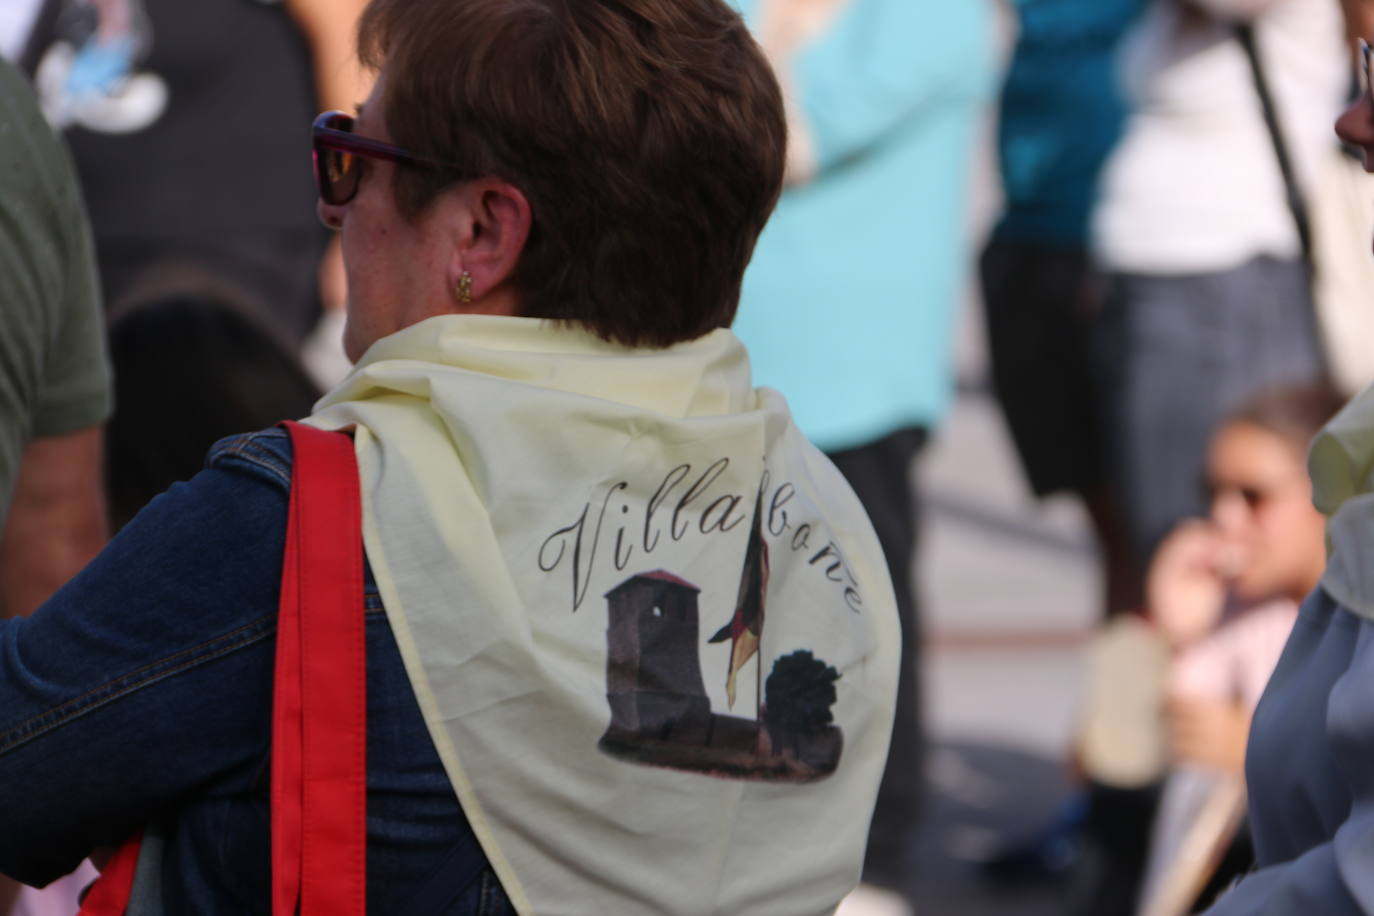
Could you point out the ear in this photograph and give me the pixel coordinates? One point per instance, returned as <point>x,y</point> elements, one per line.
<point>492,226</point>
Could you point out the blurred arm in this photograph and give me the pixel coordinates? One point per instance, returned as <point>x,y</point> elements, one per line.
<point>1359,18</point>
<point>174,617</point>
<point>340,83</point>
<point>56,521</point>
<point>863,69</point>
<point>331,26</point>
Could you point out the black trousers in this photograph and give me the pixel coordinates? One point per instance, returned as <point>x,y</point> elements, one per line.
<point>880,473</point>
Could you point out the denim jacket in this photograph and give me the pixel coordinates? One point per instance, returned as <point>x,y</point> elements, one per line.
<point>141,692</point>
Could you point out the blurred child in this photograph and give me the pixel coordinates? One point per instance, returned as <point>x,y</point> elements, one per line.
<point>1221,597</point>
<point>1224,593</point>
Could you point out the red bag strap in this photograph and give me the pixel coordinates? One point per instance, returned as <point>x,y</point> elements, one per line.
<point>319,759</point>
<point>319,721</point>
<point>109,895</point>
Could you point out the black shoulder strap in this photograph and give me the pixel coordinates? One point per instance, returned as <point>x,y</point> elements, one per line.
<point>1245,34</point>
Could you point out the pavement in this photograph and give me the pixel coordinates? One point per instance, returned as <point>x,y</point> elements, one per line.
<point>1009,589</point>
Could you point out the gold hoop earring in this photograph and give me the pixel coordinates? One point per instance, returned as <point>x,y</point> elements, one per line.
<point>464,288</point>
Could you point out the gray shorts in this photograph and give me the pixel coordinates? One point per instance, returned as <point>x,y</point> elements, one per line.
<point>1174,355</point>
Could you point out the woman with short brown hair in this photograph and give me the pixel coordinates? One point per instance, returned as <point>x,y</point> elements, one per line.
<point>646,139</point>
<point>631,645</point>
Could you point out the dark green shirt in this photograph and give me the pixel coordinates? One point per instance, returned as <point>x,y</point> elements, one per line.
<point>54,375</point>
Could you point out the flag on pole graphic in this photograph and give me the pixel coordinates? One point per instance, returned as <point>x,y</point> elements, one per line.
<point>746,627</point>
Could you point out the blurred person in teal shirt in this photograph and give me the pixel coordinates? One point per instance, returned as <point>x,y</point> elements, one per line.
<point>848,305</point>
<point>1061,114</point>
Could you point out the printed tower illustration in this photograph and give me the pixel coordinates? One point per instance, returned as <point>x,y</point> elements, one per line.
<point>653,677</point>
<point>660,713</point>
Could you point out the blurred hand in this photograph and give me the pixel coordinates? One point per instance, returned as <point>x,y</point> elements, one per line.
<point>1185,588</point>
<point>1208,733</point>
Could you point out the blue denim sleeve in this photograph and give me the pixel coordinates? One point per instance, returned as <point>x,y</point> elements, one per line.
<point>147,678</point>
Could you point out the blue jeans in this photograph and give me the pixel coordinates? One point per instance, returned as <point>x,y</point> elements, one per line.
<point>142,691</point>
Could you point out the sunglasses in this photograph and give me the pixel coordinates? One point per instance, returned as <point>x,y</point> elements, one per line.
<point>1256,497</point>
<point>1253,497</point>
<point>337,151</point>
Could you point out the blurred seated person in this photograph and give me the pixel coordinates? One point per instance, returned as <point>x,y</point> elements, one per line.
<point>1221,596</point>
<point>1223,593</point>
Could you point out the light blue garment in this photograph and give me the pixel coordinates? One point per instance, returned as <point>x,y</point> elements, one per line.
<point>1062,112</point>
<point>847,307</point>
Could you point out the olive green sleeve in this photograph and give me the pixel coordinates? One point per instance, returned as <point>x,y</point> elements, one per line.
<point>76,385</point>
<point>56,372</point>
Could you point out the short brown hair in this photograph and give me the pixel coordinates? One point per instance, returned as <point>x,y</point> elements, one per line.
<point>1295,413</point>
<point>648,136</point>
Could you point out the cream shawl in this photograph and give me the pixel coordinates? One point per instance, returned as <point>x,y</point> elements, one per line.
<point>1341,464</point>
<point>583,551</point>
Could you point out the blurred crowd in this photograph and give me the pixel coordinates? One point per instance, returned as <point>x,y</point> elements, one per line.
<point>1160,344</point>
<point>1161,349</point>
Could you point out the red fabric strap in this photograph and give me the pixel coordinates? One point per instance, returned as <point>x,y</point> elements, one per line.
<point>109,895</point>
<point>319,706</point>
<point>319,725</point>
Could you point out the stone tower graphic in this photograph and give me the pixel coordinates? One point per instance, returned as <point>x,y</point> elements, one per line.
<point>653,677</point>
<point>661,715</point>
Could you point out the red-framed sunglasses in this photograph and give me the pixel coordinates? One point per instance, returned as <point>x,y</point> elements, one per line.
<point>336,152</point>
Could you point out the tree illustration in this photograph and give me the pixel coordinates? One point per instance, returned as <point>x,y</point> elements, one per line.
<point>798,696</point>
